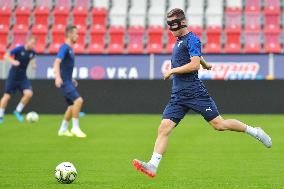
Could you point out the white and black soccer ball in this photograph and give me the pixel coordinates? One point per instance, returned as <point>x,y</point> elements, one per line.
<point>32,117</point>
<point>65,173</point>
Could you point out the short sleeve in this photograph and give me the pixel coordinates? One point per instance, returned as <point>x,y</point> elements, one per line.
<point>15,50</point>
<point>194,47</point>
<point>61,52</point>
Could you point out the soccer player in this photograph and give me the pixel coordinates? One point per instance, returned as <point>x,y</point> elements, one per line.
<point>63,69</point>
<point>189,93</point>
<point>19,57</point>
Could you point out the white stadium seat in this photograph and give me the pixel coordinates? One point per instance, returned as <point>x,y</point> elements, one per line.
<point>215,7</point>
<point>101,3</point>
<point>137,13</point>
<point>176,4</point>
<point>118,12</point>
<point>194,12</point>
<point>235,3</point>
<point>156,15</point>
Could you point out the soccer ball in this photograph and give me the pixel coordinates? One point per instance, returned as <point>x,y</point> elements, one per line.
<point>32,117</point>
<point>65,173</point>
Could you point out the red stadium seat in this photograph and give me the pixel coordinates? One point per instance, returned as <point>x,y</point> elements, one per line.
<point>233,35</point>
<point>54,48</point>
<point>272,16</point>
<point>58,34</point>
<point>213,44</point>
<point>41,15</point>
<point>233,17</point>
<point>197,30</point>
<point>61,15</point>
<point>171,42</point>
<point>85,4</point>
<point>4,29</point>
<point>99,16</point>
<point>40,31</point>
<point>79,48</point>
<point>81,33</point>
<point>135,39</point>
<point>271,44</point>
<point>23,15</point>
<point>116,34</point>
<point>252,41</point>
<point>97,39</point>
<point>80,16</point>
<point>2,51</point>
<point>5,13</point>
<point>252,6</point>
<point>155,39</point>
<point>20,34</point>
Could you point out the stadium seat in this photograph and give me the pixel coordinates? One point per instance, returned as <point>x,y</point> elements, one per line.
<point>99,16</point>
<point>61,12</point>
<point>156,14</point>
<point>176,4</point>
<point>252,41</point>
<point>271,13</point>
<point>233,38</point>
<point>194,13</point>
<point>101,4</point>
<point>214,13</point>
<point>252,6</point>
<point>80,15</point>
<point>116,35</point>
<point>237,4</point>
<point>20,33</point>
<point>97,39</point>
<point>40,31</point>
<point>54,47</point>
<point>81,34</point>
<point>271,43</point>
<point>5,14</point>
<point>85,4</point>
<point>137,13</point>
<point>23,15</point>
<point>79,48</point>
<point>233,17</point>
<point>135,40</point>
<point>58,34</point>
<point>155,39</point>
<point>118,13</point>
<point>171,42</point>
<point>197,30</point>
<point>213,44</point>
<point>4,29</point>
<point>42,11</point>
<point>2,51</point>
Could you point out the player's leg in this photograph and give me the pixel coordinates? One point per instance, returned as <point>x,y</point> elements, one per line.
<point>221,124</point>
<point>76,108</point>
<point>3,104</point>
<point>208,109</point>
<point>27,95</point>
<point>63,131</point>
<point>171,117</point>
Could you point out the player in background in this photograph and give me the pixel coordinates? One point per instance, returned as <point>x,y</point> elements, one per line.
<point>63,69</point>
<point>189,93</point>
<point>17,79</point>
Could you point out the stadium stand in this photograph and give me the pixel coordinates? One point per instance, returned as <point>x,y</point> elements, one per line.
<point>138,26</point>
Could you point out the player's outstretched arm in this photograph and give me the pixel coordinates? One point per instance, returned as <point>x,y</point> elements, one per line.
<point>56,69</point>
<point>194,65</point>
<point>33,63</point>
<point>204,64</point>
<point>10,59</point>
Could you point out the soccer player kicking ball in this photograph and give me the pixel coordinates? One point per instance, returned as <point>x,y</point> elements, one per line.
<point>19,57</point>
<point>189,93</point>
<point>63,69</point>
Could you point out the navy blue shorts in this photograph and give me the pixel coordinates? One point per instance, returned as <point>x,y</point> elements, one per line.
<point>70,93</point>
<point>11,86</point>
<point>179,105</point>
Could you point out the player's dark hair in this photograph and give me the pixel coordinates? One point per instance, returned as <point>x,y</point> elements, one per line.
<point>31,37</point>
<point>179,13</point>
<point>69,29</point>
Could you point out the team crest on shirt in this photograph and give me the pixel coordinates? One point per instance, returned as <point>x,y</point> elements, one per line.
<point>179,43</point>
<point>70,52</point>
<point>23,53</point>
<point>31,55</point>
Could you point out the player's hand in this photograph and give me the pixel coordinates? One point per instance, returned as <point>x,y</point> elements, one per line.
<point>34,66</point>
<point>75,82</point>
<point>16,63</point>
<point>58,82</point>
<point>167,74</point>
<point>207,66</point>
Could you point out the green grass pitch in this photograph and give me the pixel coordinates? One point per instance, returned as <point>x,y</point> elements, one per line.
<point>197,157</point>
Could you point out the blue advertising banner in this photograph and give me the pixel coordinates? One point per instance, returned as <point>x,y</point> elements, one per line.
<point>279,66</point>
<point>225,67</point>
<point>99,67</point>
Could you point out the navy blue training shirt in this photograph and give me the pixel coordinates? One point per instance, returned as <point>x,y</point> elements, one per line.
<point>67,62</point>
<point>24,57</point>
<point>186,47</point>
